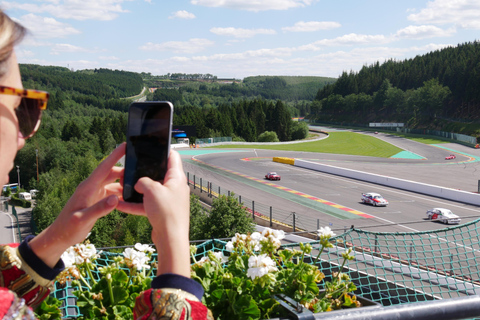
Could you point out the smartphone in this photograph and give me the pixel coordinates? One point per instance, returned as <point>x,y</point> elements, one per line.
<point>149,132</point>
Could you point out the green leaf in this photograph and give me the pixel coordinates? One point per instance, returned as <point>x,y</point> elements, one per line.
<point>268,307</point>
<point>246,308</point>
<point>49,309</point>
<point>120,294</point>
<point>119,277</point>
<point>217,294</point>
<point>122,312</point>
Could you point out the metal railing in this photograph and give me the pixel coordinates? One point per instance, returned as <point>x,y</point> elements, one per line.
<point>257,209</point>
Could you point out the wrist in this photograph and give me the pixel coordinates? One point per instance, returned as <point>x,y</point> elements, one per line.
<point>48,248</point>
<point>35,263</point>
<point>173,255</point>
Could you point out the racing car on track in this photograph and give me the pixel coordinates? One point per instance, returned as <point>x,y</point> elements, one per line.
<point>374,199</point>
<point>444,215</point>
<point>450,157</point>
<point>272,176</point>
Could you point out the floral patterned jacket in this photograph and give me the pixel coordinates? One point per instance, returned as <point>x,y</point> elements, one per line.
<point>25,281</point>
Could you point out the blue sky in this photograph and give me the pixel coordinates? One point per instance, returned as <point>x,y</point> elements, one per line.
<point>238,38</point>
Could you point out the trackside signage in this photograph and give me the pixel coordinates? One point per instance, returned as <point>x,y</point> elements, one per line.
<point>386,124</point>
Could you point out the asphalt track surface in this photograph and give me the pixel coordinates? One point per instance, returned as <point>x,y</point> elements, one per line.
<point>242,171</point>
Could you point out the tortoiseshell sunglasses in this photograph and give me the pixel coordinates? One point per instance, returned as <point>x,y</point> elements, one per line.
<point>29,111</point>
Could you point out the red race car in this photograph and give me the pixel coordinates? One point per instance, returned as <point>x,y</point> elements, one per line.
<point>272,176</point>
<point>450,157</point>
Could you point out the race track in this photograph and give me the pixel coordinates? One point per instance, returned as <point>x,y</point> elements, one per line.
<point>335,200</point>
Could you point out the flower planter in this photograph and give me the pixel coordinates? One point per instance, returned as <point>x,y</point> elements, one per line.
<point>298,311</point>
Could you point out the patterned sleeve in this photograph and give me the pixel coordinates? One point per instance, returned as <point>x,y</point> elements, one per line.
<point>172,297</point>
<point>22,272</point>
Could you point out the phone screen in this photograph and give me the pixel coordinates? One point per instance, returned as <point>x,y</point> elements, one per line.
<point>148,145</point>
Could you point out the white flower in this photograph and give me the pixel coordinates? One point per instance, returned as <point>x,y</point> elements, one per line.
<point>217,255</point>
<point>256,236</point>
<point>203,260</point>
<point>79,254</point>
<point>258,266</point>
<point>279,234</point>
<point>325,233</point>
<point>144,247</point>
<point>68,257</point>
<point>130,253</point>
<point>276,242</point>
<point>141,261</point>
<point>220,256</point>
<point>89,252</point>
<point>229,246</point>
<point>137,259</point>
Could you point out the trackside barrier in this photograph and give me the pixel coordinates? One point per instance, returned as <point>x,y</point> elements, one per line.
<point>428,189</point>
<point>284,160</point>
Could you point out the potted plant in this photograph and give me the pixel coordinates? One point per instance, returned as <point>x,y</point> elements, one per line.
<point>253,276</point>
<point>107,291</point>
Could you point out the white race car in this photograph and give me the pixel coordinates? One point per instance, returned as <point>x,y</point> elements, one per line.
<point>374,199</point>
<point>444,215</point>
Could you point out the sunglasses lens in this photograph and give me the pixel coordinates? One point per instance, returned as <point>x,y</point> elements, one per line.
<point>28,115</point>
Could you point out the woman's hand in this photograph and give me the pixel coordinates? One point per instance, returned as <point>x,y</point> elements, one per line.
<point>167,207</point>
<point>94,198</point>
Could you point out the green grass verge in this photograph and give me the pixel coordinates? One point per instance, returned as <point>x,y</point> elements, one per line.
<point>338,143</point>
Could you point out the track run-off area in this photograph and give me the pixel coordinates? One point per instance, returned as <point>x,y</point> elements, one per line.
<point>334,200</point>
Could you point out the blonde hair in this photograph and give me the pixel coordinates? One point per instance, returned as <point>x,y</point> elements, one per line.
<point>11,33</point>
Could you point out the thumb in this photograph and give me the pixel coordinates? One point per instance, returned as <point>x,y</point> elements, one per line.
<point>145,184</point>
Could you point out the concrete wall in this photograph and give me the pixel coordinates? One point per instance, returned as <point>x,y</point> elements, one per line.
<point>428,189</point>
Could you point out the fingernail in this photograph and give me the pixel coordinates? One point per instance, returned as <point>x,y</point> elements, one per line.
<point>112,200</point>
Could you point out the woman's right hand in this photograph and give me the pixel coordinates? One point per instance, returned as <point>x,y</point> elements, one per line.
<point>167,207</point>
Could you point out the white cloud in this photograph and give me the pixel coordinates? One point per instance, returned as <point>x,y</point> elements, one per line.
<point>182,14</point>
<point>66,48</point>
<point>45,28</point>
<point>73,9</point>
<point>254,5</point>
<point>310,26</point>
<point>191,46</point>
<point>463,13</point>
<point>246,55</point>
<point>423,32</point>
<point>240,32</point>
<point>346,40</point>
<point>21,53</point>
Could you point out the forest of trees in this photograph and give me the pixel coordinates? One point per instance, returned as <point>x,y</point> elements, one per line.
<point>244,121</point>
<point>296,92</point>
<point>423,91</point>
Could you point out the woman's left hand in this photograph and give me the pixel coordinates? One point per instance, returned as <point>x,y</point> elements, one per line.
<point>94,198</point>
